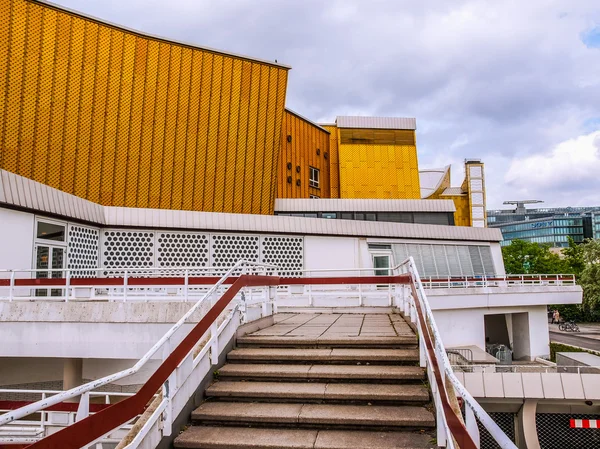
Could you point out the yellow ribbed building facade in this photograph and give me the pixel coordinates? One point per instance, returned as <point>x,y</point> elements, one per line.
<point>121,118</point>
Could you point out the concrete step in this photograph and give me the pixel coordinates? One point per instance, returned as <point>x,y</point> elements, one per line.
<point>324,355</point>
<point>319,391</point>
<point>379,373</point>
<point>314,415</point>
<point>403,341</point>
<point>200,437</point>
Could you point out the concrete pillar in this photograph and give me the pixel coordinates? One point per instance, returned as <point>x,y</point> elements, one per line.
<point>72,374</point>
<point>528,437</point>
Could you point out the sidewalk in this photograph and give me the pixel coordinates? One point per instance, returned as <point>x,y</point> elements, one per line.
<point>589,330</point>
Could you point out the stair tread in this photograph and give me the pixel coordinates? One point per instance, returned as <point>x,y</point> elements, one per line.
<point>312,371</point>
<point>312,414</point>
<point>407,339</point>
<point>324,354</point>
<point>319,390</point>
<point>200,437</point>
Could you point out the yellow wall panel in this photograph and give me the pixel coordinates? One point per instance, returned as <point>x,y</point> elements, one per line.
<point>242,137</point>
<point>378,171</point>
<point>124,119</point>
<point>86,107</point>
<point>100,99</point>
<point>203,131</point>
<point>181,129</point>
<point>192,132</point>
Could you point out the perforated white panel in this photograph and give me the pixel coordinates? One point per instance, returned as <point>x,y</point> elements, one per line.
<point>82,249</point>
<point>227,249</point>
<point>127,249</point>
<point>287,253</point>
<point>178,249</point>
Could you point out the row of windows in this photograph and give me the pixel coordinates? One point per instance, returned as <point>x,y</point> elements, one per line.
<point>438,218</point>
<point>557,240</point>
<point>542,232</point>
<point>543,224</point>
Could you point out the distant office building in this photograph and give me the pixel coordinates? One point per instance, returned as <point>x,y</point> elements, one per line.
<point>547,225</point>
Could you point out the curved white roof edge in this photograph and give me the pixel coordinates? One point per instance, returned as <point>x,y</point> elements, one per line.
<point>23,193</point>
<point>362,205</point>
<point>430,180</point>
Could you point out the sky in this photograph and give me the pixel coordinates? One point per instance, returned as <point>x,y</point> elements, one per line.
<point>513,83</point>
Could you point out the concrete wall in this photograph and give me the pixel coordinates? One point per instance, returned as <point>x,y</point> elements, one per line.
<point>466,327</point>
<point>521,335</point>
<point>16,239</point>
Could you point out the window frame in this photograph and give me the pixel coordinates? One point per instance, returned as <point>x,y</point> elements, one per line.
<point>313,181</point>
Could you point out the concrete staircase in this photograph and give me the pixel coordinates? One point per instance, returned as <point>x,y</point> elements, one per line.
<point>333,390</point>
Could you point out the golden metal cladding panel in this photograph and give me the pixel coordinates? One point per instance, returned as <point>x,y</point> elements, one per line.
<point>124,119</point>
<point>462,215</point>
<point>379,171</point>
<point>307,146</point>
<point>334,160</point>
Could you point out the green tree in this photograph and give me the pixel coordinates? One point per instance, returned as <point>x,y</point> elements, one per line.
<point>522,257</point>
<point>574,257</point>
<point>590,280</point>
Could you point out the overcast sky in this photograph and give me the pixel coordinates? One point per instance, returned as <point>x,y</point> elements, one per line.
<point>514,83</point>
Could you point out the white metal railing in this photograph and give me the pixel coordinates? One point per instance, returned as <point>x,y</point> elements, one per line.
<point>473,410</point>
<point>511,280</point>
<point>115,284</point>
<point>164,344</point>
<point>490,368</point>
<point>24,431</point>
<point>124,284</point>
<point>194,367</point>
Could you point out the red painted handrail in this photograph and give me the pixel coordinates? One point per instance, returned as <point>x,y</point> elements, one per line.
<point>95,426</point>
<point>89,429</point>
<point>201,280</point>
<point>457,428</point>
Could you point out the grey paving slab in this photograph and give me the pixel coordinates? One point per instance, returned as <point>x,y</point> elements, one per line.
<point>201,437</point>
<point>339,439</point>
<point>375,415</point>
<point>250,412</point>
<point>279,390</point>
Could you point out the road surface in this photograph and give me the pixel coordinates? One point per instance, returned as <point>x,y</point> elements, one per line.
<point>575,339</point>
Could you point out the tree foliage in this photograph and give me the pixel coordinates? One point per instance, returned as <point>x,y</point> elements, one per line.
<point>522,257</point>
<point>582,260</point>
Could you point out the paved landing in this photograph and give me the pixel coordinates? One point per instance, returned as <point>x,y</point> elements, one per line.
<point>337,326</point>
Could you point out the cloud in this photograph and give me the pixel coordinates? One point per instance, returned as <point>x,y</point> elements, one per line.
<point>496,81</point>
<point>569,170</point>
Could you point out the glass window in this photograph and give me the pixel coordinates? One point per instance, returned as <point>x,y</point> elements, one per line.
<point>314,196</point>
<point>328,215</point>
<point>347,216</point>
<point>381,265</point>
<point>371,217</point>
<point>311,215</point>
<point>50,231</point>
<point>359,216</point>
<point>313,180</point>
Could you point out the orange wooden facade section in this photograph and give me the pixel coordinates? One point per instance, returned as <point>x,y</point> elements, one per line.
<point>303,145</point>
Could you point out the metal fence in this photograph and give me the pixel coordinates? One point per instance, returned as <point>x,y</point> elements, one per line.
<point>555,432</point>
<point>506,422</point>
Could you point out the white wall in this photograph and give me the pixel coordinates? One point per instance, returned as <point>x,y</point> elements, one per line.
<point>521,336</point>
<point>332,252</point>
<point>16,239</point>
<point>496,250</point>
<point>466,327</point>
